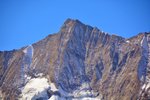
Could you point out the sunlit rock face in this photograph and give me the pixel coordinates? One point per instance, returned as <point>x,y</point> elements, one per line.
<point>79,62</point>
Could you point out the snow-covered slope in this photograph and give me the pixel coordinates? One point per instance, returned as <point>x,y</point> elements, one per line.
<point>34,89</point>
<point>40,88</point>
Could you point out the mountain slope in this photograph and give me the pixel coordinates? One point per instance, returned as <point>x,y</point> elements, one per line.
<point>78,62</point>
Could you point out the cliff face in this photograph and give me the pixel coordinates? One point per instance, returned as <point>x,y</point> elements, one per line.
<point>78,62</point>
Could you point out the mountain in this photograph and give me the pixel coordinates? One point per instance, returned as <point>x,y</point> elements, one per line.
<point>79,62</point>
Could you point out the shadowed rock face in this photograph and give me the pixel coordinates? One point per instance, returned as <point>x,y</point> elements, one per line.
<point>81,58</point>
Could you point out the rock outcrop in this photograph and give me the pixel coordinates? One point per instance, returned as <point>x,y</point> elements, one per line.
<point>78,62</point>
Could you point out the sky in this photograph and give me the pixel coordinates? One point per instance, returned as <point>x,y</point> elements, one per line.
<point>23,22</point>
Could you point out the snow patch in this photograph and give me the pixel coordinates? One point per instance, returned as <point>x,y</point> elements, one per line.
<point>37,88</point>
<point>27,77</point>
<point>69,29</point>
<point>146,86</point>
<point>144,43</point>
<point>39,74</point>
<point>85,93</point>
<point>53,87</point>
<point>34,87</point>
<point>127,41</point>
<point>29,51</point>
<point>87,98</point>
<point>55,97</point>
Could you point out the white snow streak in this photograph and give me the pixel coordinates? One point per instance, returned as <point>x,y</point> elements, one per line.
<point>127,41</point>
<point>26,63</point>
<point>29,51</point>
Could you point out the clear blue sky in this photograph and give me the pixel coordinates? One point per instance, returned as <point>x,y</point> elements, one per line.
<point>24,22</point>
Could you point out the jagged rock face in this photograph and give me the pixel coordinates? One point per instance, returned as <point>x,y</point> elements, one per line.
<point>81,62</point>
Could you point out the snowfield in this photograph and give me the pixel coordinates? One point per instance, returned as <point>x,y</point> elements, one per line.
<point>37,88</point>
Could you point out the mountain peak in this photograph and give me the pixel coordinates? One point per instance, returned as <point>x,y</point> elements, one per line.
<point>70,21</point>
<point>80,62</point>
